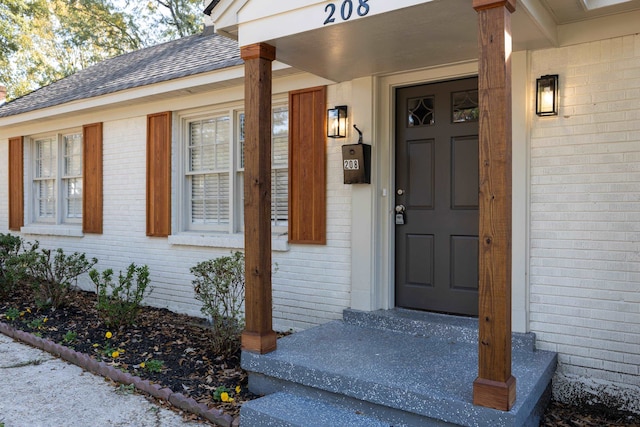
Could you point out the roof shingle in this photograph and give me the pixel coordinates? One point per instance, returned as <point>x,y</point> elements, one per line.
<point>187,56</point>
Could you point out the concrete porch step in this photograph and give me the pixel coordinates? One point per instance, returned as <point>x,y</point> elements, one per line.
<point>433,325</point>
<point>401,379</point>
<point>290,410</point>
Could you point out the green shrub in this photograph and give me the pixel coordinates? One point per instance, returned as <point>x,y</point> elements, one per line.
<point>52,278</point>
<point>69,337</point>
<point>12,313</point>
<point>153,365</point>
<point>219,285</point>
<point>15,256</point>
<point>119,304</point>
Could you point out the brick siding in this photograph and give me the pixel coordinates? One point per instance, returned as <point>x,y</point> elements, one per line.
<point>585,212</point>
<point>311,284</point>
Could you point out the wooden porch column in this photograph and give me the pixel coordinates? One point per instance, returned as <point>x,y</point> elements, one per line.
<point>258,335</point>
<point>495,387</point>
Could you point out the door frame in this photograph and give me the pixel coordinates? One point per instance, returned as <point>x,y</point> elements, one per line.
<point>383,186</point>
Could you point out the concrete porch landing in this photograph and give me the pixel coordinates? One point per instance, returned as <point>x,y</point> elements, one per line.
<point>393,367</point>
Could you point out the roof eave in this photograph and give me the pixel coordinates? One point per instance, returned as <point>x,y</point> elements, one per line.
<point>191,84</point>
<point>224,15</point>
<point>201,83</point>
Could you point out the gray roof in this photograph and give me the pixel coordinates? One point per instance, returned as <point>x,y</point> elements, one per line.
<point>178,58</point>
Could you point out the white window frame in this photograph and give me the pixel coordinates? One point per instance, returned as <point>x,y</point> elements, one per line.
<point>219,235</point>
<point>60,219</point>
<point>189,224</point>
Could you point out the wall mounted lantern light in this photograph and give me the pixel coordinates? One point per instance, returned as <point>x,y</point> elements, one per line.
<point>547,95</point>
<point>337,122</point>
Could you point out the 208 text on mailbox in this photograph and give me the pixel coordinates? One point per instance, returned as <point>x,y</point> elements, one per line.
<point>351,164</point>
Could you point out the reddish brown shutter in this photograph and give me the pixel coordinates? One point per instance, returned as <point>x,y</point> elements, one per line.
<point>307,166</point>
<point>159,174</point>
<point>16,184</point>
<point>92,178</point>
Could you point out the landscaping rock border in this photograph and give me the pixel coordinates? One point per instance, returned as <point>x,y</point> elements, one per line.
<point>103,369</point>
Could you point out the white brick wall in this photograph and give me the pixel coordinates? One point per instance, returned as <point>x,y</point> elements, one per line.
<point>311,284</point>
<point>585,219</point>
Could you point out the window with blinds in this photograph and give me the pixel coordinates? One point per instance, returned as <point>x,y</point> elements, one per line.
<point>279,164</point>
<point>214,170</point>
<point>72,176</point>
<point>208,173</point>
<point>57,178</point>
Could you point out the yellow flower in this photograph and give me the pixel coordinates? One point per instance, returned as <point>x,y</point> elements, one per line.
<point>238,389</point>
<point>115,354</point>
<point>45,320</point>
<point>142,365</point>
<point>108,335</point>
<point>96,345</point>
<point>224,396</point>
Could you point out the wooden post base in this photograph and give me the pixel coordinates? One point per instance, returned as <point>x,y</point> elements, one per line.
<point>494,394</point>
<point>256,342</point>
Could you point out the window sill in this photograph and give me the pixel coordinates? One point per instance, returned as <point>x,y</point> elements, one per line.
<point>279,243</point>
<point>52,230</point>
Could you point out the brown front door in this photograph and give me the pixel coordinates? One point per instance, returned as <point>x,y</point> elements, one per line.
<point>436,197</point>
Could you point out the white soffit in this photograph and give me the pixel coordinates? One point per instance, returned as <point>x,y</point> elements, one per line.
<point>390,37</point>
<point>428,34</point>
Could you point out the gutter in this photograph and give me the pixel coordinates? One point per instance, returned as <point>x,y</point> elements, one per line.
<point>211,6</point>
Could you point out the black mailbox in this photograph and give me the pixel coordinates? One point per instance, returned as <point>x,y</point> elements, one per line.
<point>356,160</point>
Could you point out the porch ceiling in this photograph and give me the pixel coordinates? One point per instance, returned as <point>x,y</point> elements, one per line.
<point>427,34</point>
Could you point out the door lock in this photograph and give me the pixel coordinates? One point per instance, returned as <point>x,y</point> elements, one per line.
<point>400,214</point>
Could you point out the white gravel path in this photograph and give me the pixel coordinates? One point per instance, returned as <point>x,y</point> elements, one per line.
<point>39,390</point>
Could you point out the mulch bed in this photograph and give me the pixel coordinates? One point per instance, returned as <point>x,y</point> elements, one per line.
<point>188,366</point>
<point>558,414</point>
<point>179,341</point>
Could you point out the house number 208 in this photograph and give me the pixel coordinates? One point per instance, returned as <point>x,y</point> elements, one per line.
<point>346,10</point>
<point>351,165</point>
